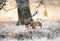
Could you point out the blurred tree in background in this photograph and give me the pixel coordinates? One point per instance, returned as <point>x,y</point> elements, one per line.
<point>23,10</point>
<point>2,3</point>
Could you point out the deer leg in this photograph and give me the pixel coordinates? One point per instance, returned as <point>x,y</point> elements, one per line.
<point>32,24</point>
<point>40,24</point>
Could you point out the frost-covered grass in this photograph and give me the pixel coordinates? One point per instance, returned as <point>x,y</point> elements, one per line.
<point>48,32</point>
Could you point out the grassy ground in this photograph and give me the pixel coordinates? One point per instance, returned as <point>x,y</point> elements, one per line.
<point>48,32</point>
